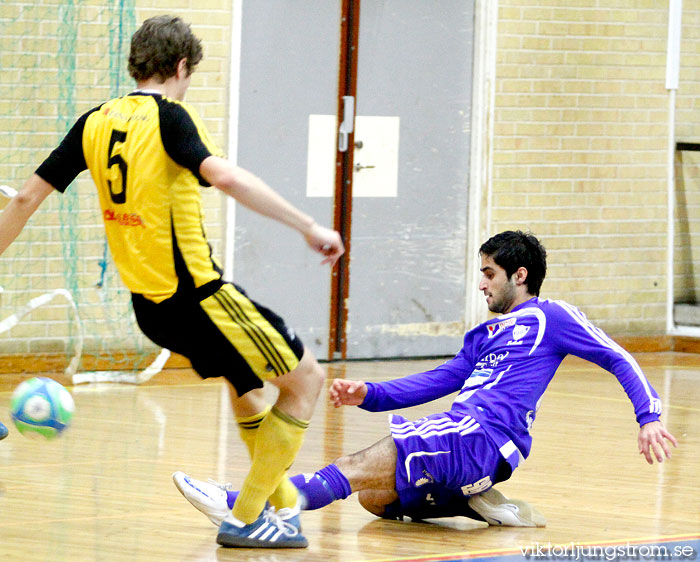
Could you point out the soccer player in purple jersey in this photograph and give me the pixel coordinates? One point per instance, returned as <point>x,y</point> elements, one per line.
<point>446,464</point>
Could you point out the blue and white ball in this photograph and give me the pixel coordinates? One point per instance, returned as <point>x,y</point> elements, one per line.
<point>41,406</point>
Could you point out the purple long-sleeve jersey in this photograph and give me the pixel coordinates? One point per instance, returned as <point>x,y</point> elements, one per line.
<point>504,367</point>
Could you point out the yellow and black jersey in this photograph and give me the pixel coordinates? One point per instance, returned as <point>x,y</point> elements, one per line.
<point>144,151</point>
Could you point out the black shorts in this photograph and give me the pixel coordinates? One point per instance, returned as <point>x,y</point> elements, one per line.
<point>223,334</point>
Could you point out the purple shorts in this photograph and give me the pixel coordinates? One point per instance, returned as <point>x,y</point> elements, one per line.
<point>447,452</point>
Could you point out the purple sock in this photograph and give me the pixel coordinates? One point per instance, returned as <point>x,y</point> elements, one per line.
<point>231,498</point>
<point>322,488</point>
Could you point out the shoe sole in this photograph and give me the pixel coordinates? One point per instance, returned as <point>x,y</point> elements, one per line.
<point>236,541</point>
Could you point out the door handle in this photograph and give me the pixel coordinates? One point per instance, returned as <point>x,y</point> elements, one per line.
<point>359,167</point>
<point>348,124</point>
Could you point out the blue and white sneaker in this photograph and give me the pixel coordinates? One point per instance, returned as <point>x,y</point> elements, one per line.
<point>3,431</point>
<point>267,531</point>
<point>211,498</point>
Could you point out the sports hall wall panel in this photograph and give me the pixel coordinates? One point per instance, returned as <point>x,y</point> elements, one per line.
<point>687,234</point>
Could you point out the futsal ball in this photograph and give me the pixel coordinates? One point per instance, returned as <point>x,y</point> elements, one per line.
<point>41,406</point>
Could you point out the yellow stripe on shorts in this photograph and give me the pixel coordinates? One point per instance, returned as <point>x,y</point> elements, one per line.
<point>259,343</point>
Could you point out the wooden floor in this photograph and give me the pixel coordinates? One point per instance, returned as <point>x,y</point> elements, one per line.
<point>103,492</point>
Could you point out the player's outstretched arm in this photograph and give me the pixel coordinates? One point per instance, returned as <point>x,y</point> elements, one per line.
<point>347,393</point>
<point>251,191</point>
<point>21,207</point>
<point>652,442</point>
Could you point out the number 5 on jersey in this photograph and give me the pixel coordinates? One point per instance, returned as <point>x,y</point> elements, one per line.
<point>117,160</point>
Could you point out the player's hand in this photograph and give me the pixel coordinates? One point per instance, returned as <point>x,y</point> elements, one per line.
<point>347,393</point>
<point>652,442</point>
<point>326,242</point>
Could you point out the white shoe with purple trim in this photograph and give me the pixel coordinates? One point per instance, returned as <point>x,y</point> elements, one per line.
<point>208,497</point>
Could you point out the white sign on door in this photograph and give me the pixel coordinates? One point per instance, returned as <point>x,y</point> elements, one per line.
<point>376,156</point>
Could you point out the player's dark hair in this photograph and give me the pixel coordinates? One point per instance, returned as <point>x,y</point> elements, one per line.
<point>159,45</point>
<point>515,249</point>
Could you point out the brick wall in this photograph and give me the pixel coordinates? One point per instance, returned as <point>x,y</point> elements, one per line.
<point>580,150</point>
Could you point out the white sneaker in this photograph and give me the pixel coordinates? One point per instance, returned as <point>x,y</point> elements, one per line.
<point>498,510</point>
<point>208,497</point>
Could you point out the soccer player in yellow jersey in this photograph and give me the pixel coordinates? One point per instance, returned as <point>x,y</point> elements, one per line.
<point>148,154</point>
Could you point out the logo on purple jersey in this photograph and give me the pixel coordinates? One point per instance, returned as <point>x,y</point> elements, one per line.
<point>491,360</point>
<point>498,327</point>
<point>519,332</point>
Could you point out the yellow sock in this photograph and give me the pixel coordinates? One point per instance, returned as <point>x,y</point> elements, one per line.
<point>279,438</point>
<point>248,429</point>
<point>286,493</point>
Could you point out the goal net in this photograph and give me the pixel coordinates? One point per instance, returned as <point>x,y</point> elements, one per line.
<point>57,60</point>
